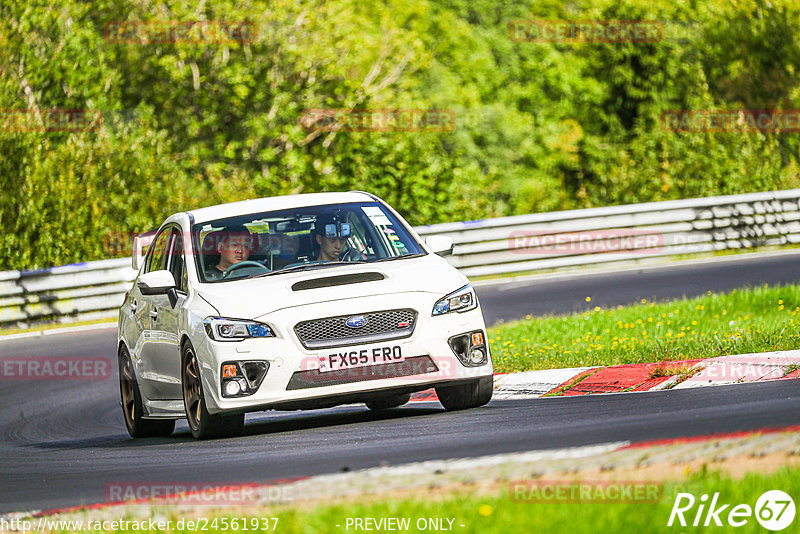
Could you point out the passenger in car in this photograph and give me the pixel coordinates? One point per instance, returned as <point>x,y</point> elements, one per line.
<point>329,240</point>
<point>234,244</point>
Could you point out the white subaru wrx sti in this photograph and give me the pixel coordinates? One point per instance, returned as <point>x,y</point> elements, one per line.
<point>295,302</point>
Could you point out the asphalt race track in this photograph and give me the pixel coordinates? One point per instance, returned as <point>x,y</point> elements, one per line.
<point>63,442</point>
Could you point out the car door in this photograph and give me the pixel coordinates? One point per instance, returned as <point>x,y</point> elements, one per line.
<point>151,381</point>
<point>164,324</point>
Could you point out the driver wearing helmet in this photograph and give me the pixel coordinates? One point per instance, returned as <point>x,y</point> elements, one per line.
<point>234,245</point>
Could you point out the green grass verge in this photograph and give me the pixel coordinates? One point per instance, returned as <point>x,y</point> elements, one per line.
<point>501,511</point>
<point>743,321</point>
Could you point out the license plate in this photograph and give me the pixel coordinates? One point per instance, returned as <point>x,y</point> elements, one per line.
<point>352,358</point>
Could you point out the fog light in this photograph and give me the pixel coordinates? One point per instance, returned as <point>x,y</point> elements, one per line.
<point>232,388</point>
<point>476,356</point>
<point>470,348</point>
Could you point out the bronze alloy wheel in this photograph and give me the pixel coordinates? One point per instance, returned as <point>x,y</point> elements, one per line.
<point>126,389</point>
<point>132,408</point>
<point>191,390</point>
<point>203,424</point>
<point>126,385</point>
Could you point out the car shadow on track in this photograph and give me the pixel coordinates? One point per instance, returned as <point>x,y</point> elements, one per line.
<point>272,423</point>
<point>325,418</point>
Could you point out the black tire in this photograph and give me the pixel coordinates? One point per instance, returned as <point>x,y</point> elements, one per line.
<point>464,396</point>
<point>203,424</point>
<point>132,409</point>
<point>388,402</point>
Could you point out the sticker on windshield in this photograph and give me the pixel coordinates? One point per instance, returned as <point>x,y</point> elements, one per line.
<point>398,244</point>
<point>388,231</point>
<point>376,215</point>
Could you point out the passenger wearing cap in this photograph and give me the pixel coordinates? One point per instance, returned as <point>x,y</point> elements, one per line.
<point>331,238</point>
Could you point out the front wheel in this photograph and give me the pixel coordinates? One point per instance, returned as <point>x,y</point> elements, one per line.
<point>463,396</point>
<point>203,424</point>
<point>132,408</point>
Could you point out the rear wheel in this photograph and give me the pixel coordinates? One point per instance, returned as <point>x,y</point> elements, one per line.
<point>463,396</point>
<point>203,424</point>
<point>388,402</point>
<point>132,407</point>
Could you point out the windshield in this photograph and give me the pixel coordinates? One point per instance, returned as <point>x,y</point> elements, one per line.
<point>268,243</point>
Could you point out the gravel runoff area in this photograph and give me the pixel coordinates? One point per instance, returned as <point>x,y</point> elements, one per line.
<point>674,460</point>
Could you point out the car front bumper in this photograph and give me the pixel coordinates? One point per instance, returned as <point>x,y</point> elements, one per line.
<point>294,378</point>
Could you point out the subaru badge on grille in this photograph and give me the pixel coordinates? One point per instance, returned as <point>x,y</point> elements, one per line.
<point>357,321</point>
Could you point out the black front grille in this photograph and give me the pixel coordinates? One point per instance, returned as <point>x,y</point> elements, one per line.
<point>334,331</point>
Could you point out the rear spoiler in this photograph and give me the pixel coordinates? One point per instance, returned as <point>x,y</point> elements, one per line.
<point>140,244</point>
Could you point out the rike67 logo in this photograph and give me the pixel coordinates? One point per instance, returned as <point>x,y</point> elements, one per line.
<point>774,510</point>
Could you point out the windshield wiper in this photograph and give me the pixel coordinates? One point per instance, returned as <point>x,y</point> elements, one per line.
<point>390,258</point>
<point>308,266</point>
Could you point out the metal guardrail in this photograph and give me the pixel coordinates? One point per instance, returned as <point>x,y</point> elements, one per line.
<point>505,245</point>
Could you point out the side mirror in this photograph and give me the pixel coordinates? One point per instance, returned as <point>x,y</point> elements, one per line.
<point>156,283</point>
<point>140,244</point>
<point>440,245</point>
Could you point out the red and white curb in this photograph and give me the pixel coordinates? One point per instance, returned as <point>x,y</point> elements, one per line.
<point>743,368</point>
<point>679,374</point>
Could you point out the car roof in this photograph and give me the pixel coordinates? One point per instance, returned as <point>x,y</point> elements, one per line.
<point>257,205</point>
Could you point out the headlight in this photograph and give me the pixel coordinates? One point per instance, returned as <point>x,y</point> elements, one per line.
<point>462,300</point>
<point>221,329</point>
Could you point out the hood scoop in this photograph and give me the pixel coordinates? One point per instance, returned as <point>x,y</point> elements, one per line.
<point>330,281</point>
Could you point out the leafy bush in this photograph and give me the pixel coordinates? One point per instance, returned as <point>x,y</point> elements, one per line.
<point>539,126</point>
